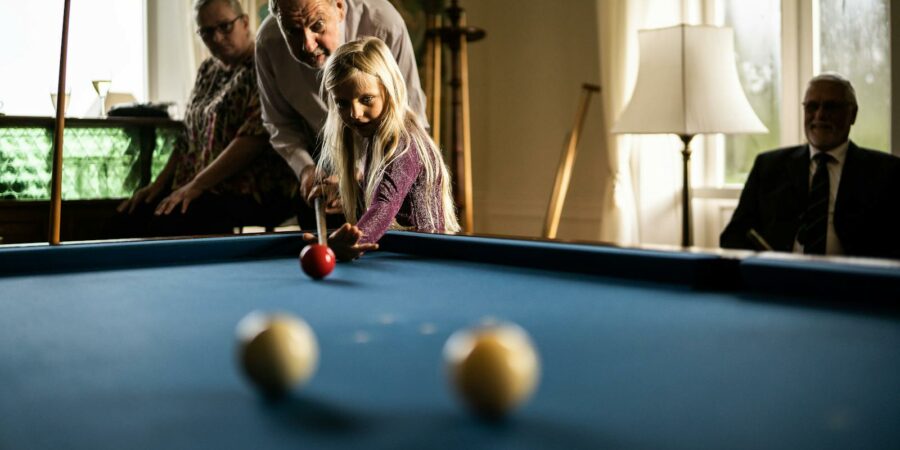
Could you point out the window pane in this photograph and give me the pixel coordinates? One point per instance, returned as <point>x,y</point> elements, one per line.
<point>855,42</point>
<point>757,46</point>
<point>106,42</point>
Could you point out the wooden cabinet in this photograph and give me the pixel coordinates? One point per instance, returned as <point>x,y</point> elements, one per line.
<point>29,221</point>
<point>104,160</point>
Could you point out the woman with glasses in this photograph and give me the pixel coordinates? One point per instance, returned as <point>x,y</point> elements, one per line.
<point>223,173</point>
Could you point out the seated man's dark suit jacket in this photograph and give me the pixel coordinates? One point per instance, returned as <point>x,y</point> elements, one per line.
<point>866,211</point>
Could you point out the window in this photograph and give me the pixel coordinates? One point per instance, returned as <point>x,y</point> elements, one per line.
<point>106,42</point>
<point>851,38</point>
<point>757,46</point>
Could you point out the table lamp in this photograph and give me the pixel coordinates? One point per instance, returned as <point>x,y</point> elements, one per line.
<point>687,85</point>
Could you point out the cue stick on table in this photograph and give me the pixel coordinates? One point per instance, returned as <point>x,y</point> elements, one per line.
<point>759,240</point>
<point>564,172</point>
<point>320,222</point>
<point>56,174</point>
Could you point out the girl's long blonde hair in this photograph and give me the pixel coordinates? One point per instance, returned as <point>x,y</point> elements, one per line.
<point>399,131</point>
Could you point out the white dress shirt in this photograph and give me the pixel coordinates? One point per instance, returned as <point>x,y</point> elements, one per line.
<point>293,109</point>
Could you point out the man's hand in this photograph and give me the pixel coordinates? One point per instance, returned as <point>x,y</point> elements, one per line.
<point>328,190</point>
<point>307,182</point>
<point>314,184</point>
<point>146,194</point>
<point>183,196</point>
<point>344,242</point>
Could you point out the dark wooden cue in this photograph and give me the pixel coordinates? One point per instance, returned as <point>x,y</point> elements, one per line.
<point>567,160</point>
<point>469,219</point>
<point>56,174</point>
<point>433,75</point>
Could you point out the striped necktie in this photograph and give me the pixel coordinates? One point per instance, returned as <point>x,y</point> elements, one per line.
<point>814,223</point>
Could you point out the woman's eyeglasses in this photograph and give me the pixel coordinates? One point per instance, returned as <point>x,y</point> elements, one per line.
<point>224,28</point>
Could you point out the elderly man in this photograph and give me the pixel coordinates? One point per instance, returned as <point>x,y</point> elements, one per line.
<point>827,197</point>
<point>292,47</point>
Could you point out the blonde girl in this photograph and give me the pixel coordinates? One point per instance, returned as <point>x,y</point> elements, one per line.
<point>391,175</point>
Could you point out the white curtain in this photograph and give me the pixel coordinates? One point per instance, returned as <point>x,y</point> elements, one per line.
<point>642,195</point>
<point>618,223</point>
<point>172,61</point>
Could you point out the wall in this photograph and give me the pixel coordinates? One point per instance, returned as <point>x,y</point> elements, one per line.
<point>525,83</point>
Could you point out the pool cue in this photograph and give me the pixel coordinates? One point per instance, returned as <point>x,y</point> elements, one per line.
<point>567,160</point>
<point>433,75</point>
<point>758,240</point>
<point>56,173</point>
<point>466,130</point>
<point>320,222</point>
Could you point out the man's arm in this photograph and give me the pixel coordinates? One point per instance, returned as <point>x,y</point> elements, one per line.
<point>746,216</point>
<point>287,134</point>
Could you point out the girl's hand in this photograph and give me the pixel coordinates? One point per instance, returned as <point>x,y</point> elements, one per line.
<point>344,242</point>
<point>183,196</point>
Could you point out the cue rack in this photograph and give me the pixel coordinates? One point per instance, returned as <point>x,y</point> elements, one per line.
<point>56,173</point>
<point>456,35</point>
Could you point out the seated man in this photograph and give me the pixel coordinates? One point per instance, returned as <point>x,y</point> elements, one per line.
<point>292,46</point>
<point>827,197</point>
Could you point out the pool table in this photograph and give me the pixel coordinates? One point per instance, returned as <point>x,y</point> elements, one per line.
<point>132,345</point>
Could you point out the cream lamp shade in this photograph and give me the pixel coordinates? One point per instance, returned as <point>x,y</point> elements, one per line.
<point>687,85</point>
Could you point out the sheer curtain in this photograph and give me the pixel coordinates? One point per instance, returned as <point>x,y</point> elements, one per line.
<point>642,201</point>
<point>618,223</point>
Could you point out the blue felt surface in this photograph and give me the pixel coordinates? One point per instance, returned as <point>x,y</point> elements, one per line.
<point>144,358</point>
<point>863,284</point>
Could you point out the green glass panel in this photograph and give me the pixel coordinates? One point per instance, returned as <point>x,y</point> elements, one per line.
<point>165,144</point>
<point>24,163</point>
<point>98,163</point>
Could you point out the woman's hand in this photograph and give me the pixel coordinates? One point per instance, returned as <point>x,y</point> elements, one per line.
<point>146,194</point>
<point>183,196</point>
<point>344,242</point>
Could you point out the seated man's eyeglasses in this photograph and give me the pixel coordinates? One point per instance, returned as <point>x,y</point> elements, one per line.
<point>224,28</point>
<point>828,107</point>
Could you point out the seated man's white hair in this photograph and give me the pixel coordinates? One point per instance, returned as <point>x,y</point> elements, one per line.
<point>834,77</point>
<point>235,5</point>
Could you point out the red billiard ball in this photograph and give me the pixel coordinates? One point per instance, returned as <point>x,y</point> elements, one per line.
<point>317,260</point>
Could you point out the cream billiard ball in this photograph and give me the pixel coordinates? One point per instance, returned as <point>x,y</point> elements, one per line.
<point>276,351</point>
<point>494,368</point>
